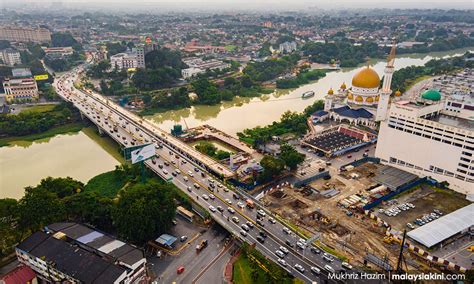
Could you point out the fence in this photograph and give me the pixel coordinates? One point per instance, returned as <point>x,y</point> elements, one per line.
<point>311,178</point>
<point>393,193</point>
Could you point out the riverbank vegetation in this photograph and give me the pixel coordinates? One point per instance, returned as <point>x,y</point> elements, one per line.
<point>290,122</point>
<point>304,77</point>
<point>405,77</point>
<point>73,127</point>
<point>136,212</point>
<point>349,54</point>
<point>36,121</point>
<point>271,68</point>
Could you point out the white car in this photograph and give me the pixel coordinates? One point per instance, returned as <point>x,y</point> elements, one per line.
<point>282,262</point>
<point>300,245</point>
<point>241,205</point>
<point>299,267</point>
<point>228,201</point>
<point>212,208</point>
<point>315,270</point>
<point>286,230</point>
<point>329,268</point>
<point>284,250</point>
<point>346,265</point>
<point>271,220</point>
<point>231,210</point>
<point>261,213</point>
<point>205,197</point>
<point>211,196</point>
<point>190,173</point>
<point>280,253</point>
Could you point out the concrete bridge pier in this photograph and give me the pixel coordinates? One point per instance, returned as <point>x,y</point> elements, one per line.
<point>101,131</point>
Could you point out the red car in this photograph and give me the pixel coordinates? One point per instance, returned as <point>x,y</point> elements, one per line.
<point>180,269</point>
<point>349,156</point>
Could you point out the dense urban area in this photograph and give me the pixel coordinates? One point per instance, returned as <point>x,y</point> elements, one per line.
<point>328,146</point>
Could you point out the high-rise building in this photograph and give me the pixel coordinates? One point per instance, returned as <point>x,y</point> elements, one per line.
<point>20,34</point>
<point>10,57</point>
<point>140,52</point>
<point>287,47</point>
<point>429,137</point>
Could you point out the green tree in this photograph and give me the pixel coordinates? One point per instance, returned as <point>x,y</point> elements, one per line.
<point>290,156</point>
<point>206,91</point>
<point>89,207</point>
<point>38,208</point>
<point>144,211</point>
<point>272,168</point>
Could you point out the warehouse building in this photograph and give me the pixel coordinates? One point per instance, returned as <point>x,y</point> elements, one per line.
<point>442,230</point>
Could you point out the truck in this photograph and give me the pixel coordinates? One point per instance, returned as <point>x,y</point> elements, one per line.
<point>201,246</point>
<point>250,203</point>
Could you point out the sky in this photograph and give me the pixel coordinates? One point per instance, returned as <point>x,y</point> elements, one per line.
<point>246,4</point>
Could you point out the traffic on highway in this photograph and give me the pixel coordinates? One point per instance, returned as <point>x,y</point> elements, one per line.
<point>244,219</point>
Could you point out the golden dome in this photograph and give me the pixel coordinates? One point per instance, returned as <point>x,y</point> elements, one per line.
<point>369,100</point>
<point>350,97</point>
<point>359,99</point>
<point>366,78</point>
<point>330,92</point>
<point>343,86</point>
<point>377,98</point>
<point>398,93</point>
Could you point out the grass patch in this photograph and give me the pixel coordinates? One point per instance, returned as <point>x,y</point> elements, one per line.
<point>230,47</point>
<point>62,129</point>
<point>106,184</point>
<point>242,272</point>
<point>38,108</point>
<point>331,251</point>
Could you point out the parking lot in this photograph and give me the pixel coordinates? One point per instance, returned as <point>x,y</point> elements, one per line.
<point>426,200</point>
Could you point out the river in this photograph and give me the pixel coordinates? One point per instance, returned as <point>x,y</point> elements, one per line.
<point>84,154</point>
<point>240,113</point>
<point>80,155</point>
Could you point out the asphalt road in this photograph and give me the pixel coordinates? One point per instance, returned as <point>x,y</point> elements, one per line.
<point>166,267</point>
<point>129,131</point>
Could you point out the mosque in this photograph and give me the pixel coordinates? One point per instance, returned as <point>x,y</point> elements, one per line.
<point>365,102</point>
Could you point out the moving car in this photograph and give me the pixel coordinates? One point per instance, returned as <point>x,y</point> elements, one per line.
<point>299,267</point>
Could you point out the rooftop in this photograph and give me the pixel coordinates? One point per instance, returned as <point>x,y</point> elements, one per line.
<point>72,260</point>
<point>444,227</point>
<point>454,121</point>
<point>101,242</point>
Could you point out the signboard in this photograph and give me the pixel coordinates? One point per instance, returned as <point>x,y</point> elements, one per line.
<point>41,77</point>
<point>127,152</point>
<point>143,154</point>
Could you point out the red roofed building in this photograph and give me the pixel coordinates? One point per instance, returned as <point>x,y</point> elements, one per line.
<point>20,275</point>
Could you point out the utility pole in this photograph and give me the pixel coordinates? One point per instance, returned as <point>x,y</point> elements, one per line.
<point>400,256</point>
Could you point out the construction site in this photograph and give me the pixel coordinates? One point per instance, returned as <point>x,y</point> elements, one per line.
<point>349,230</point>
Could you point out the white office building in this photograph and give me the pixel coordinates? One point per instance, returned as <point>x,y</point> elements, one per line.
<point>198,66</point>
<point>287,47</point>
<point>431,137</point>
<point>10,57</point>
<point>121,61</point>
